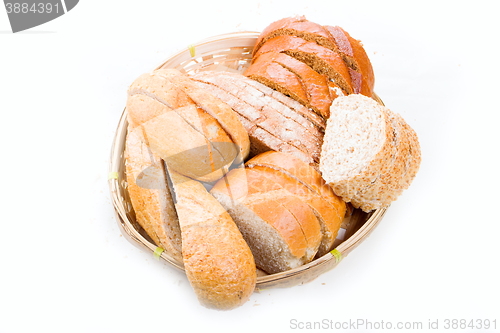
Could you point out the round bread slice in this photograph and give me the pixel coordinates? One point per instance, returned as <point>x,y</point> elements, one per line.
<point>358,143</point>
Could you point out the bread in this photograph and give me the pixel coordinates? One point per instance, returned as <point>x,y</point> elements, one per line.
<point>366,151</point>
<point>189,132</point>
<point>354,55</point>
<point>281,130</point>
<point>331,37</point>
<point>280,229</point>
<point>213,106</point>
<point>295,26</point>
<point>315,86</point>
<point>149,194</point>
<point>319,58</point>
<point>292,168</point>
<point>218,263</point>
<point>329,214</point>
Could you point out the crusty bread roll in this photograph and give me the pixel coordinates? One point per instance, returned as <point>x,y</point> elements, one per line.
<point>149,194</point>
<point>218,263</point>
<point>367,153</point>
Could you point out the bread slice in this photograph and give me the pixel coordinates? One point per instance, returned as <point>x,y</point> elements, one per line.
<point>365,153</point>
<point>150,197</point>
<point>331,37</point>
<point>217,260</point>
<point>280,229</point>
<point>319,58</point>
<point>262,97</point>
<point>179,144</point>
<point>221,148</point>
<point>295,26</point>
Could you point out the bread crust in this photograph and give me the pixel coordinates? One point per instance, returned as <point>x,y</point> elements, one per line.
<point>266,133</point>
<point>253,105</point>
<point>289,217</point>
<point>314,84</point>
<point>295,26</point>
<point>213,106</point>
<point>319,58</point>
<point>265,71</point>
<point>218,262</point>
<point>150,197</point>
<point>354,54</point>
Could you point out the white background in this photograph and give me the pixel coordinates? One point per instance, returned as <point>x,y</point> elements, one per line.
<point>64,267</point>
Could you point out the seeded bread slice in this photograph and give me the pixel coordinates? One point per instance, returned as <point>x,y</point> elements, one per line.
<point>357,144</point>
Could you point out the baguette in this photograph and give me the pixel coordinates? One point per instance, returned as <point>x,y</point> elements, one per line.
<point>218,263</point>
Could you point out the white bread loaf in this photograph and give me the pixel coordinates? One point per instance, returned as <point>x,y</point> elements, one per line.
<point>369,154</point>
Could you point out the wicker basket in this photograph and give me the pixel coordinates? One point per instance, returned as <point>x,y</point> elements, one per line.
<point>229,52</point>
